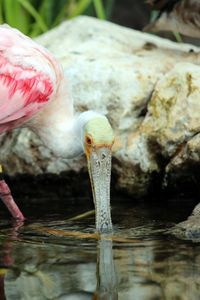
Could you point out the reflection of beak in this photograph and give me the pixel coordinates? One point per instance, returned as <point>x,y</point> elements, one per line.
<point>99,167</point>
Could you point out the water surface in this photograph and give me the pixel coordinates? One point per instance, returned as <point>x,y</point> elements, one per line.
<point>50,257</point>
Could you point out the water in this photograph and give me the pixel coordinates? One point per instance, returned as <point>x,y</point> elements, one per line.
<point>50,257</point>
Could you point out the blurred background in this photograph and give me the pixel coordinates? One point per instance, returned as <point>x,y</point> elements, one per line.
<point>34,17</point>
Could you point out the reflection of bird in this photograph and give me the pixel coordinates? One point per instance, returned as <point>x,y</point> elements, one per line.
<point>181,16</point>
<point>33,92</point>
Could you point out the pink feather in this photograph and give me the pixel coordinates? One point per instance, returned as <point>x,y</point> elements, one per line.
<point>29,78</point>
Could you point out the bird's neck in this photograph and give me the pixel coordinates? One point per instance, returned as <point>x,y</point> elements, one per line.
<point>60,129</point>
<point>60,136</point>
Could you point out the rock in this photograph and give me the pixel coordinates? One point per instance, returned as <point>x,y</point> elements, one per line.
<point>172,125</point>
<point>189,229</point>
<point>182,171</point>
<point>173,112</point>
<point>147,86</point>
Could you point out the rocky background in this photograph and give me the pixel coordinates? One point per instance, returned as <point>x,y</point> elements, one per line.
<point>147,86</point>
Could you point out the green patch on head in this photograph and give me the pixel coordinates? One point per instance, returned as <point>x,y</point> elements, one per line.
<point>100,131</point>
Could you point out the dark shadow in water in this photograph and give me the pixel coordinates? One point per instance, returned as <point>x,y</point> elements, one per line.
<point>28,270</point>
<point>140,261</point>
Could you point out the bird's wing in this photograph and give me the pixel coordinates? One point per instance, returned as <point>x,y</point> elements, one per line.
<point>29,77</point>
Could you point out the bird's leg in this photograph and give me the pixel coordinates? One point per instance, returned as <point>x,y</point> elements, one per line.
<point>6,197</point>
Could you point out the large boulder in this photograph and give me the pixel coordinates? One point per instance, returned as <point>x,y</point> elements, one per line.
<point>148,87</point>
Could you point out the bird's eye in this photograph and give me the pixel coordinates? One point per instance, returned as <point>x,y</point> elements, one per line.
<point>88,140</point>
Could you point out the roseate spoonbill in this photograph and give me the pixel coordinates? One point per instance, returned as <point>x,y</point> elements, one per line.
<point>34,93</point>
<point>181,16</point>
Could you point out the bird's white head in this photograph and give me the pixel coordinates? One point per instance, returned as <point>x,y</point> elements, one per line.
<point>98,139</point>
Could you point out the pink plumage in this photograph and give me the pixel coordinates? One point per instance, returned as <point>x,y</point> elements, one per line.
<point>29,78</point>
